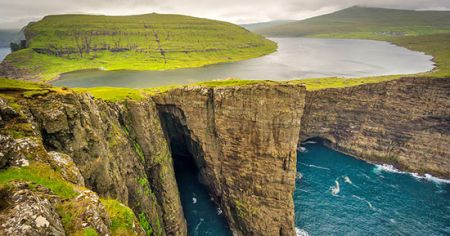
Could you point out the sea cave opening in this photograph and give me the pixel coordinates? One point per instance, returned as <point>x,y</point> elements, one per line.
<point>202,215</point>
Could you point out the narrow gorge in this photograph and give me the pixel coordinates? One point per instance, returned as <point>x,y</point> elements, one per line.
<point>80,155</point>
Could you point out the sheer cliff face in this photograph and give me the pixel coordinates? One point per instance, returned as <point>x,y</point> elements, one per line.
<point>404,122</point>
<point>244,142</point>
<point>119,149</point>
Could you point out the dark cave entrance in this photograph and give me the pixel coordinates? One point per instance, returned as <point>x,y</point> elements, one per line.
<point>202,215</point>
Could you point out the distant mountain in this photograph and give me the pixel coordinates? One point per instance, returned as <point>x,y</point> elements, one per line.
<point>262,25</point>
<point>363,22</point>
<point>9,35</point>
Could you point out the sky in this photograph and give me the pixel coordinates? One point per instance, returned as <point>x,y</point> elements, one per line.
<point>17,13</point>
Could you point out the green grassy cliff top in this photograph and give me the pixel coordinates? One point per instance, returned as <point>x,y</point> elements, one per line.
<point>62,43</point>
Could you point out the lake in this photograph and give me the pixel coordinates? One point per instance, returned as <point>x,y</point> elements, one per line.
<point>4,52</point>
<point>296,58</point>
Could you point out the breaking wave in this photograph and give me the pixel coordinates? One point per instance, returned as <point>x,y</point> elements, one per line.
<point>392,169</point>
<point>301,232</point>
<point>302,149</point>
<point>347,180</point>
<point>335,189</point>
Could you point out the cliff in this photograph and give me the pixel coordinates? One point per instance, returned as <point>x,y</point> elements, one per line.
<point>73,164</point>
<point>62,43</point>
<point>243,140</point>
<point>119,151</point>
<point>118,148</point>
<point>403,122</point>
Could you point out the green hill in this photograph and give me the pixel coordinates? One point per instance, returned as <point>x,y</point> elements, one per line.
<point>425,31</point>
<point>363,22</point>
<point>63,43</point>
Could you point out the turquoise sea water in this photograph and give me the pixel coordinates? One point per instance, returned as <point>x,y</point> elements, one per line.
<point>202,215</point>
<point>337,195</point>
<point>341,195</point>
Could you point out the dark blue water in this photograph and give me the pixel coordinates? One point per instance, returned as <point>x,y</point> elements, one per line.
<point>202,215</point>
<point>337,195</point>
<point>340,195</point>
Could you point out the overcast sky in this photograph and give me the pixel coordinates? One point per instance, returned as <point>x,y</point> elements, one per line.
<point>16,13</point>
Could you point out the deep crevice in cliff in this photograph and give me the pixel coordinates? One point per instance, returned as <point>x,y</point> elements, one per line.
<point>200,211</point>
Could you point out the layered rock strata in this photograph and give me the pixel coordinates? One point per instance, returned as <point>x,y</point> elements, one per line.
<point>404,122</point>
<point>244,143</point>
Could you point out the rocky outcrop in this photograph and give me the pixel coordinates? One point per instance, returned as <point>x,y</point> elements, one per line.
<point>117,150</point>
<point>27,212</point>
<point>404,122</point>
<point>244,141</point>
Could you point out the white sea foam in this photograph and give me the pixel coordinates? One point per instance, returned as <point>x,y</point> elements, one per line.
<point>198,225</point>
<point>347,180</point>
<point>301,232</point>
<point>391,168</point>
<point>368,203</point>
<point>219,211</point>
<point>194,200</point>
<point>301,149</point>
<point>299,176</point>
<point>310,141</point>
<point>314,166</point>
<point>335,189</point>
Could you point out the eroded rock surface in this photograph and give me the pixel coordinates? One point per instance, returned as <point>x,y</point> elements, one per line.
<point>27,212</point>
<point>403,122</point>
<point>244,142</point>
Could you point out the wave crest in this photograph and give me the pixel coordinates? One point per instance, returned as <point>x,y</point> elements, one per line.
<point>301,232</point>
<point>335,189</point>
<point>392,169</point>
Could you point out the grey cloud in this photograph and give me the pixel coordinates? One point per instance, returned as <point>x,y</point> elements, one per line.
<point>16,13</point>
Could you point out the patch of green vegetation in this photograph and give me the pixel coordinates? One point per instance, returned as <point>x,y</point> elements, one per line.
<point>145,185</point>
<point>90,232</point>
<point>232,82</point>
<point>63,43</point>
<point>34,93</point>
<point>436,45</point>
<point>143,221</point>
<point>243,209</point>
<point>11,84</point>
<point>39,174</point>
<point>425,31</point>
<point>122,217</point>
<point>18,130</point>
<point>139,151</point>
<point>113,94</point>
